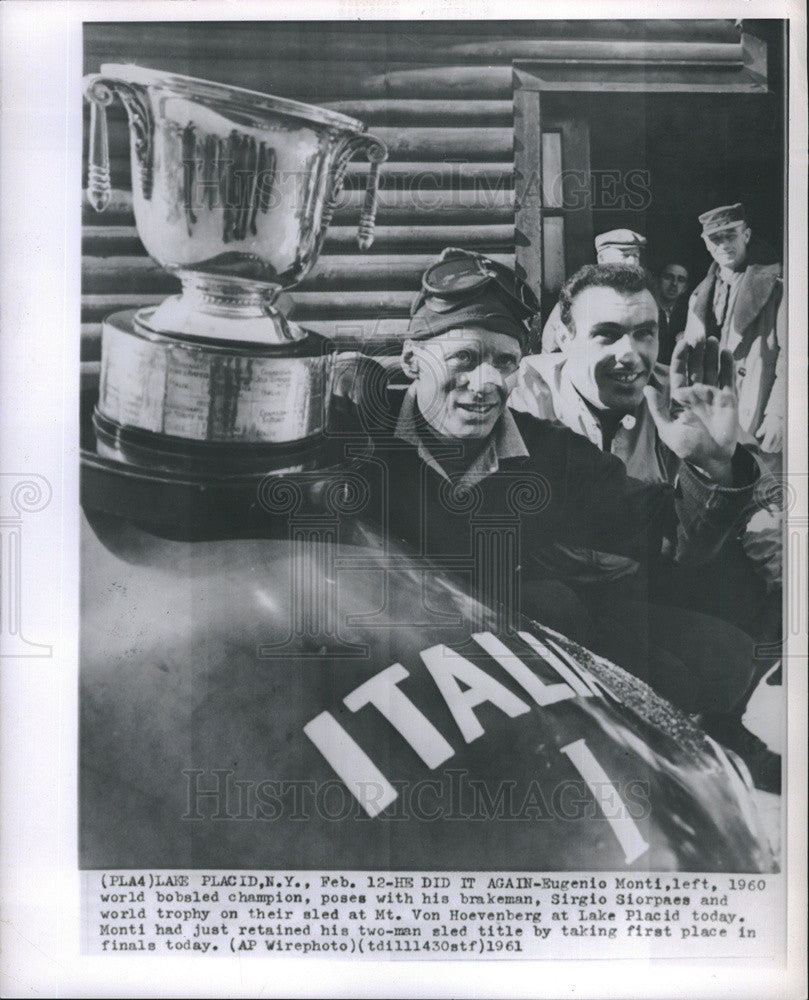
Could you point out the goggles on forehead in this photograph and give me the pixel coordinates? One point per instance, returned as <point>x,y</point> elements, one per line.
<point>459,275</point>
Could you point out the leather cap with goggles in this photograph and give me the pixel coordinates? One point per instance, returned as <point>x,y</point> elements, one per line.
<point>464,288</point>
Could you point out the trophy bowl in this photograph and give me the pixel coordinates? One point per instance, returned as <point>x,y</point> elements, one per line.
<point>233,192</point>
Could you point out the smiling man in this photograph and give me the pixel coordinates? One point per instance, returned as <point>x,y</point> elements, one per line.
<point>462,352</point>
<point>605,385</point>
<point>463,374</point>
<point>597,387</point>
<point>451,462</point>
<point>618,246</point>
<point>597,384</point>
<point>610,336</point>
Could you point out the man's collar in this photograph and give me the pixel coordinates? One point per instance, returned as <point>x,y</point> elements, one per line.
<point>406,424</point>
<point>759,281</point>
<point>729,275</point>
<point>508,441</point>
<point>573,409</point>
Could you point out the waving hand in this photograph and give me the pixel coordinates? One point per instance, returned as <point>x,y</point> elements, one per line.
<point>697,417</point>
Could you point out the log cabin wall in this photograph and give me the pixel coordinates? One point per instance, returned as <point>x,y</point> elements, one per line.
<point>440,94</point>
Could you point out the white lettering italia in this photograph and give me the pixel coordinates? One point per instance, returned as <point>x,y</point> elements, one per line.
<point>351,763</point>
<point>382,692</point>
<point>464,686</point>
<point>543,694</point>
<point>447,668</point>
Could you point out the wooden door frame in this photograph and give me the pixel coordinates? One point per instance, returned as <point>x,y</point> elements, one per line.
<point>684,68</point>
<point>574,130</point>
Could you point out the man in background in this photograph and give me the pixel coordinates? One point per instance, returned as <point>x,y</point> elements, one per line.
<point>672,301</point>
<point>618,246</point>
<point>740,302</point>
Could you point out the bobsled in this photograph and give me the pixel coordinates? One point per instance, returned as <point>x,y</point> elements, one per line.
<point>268,681</point>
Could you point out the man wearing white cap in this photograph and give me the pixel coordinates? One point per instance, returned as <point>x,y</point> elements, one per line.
<point>618,246</point>
<point>740,301</point>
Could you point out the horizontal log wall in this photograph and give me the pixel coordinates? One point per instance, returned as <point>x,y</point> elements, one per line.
<point>438,93</point>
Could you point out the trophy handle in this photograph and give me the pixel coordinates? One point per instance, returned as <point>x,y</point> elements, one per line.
<point>377,153</point>
<point>100,91</point>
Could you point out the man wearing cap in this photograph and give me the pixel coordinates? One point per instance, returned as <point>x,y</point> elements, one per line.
<point>618,246</point>
<point>740,301</point>
<point>451,449</point>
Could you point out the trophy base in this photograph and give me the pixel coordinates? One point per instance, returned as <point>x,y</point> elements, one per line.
<point>224,402</point>
<point>184,490</point>
<point>164,453</point>
<point>224,309</point>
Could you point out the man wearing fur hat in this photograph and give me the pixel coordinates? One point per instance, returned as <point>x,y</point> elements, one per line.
<point>740,302</point>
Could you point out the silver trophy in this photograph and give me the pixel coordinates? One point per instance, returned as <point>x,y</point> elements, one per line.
<point>233,192</point>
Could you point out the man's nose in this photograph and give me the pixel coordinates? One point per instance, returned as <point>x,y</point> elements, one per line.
<point>485,374</point>
<point>625,348</point>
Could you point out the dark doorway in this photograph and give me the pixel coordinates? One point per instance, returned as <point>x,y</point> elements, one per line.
<point>655,162</point>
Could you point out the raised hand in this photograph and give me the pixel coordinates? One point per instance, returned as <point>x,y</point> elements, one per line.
<point>697,417</point>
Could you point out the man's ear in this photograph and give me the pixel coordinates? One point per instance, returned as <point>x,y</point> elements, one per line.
<point>747,234</point>
<point>410,361</point>
<point>564,336</point>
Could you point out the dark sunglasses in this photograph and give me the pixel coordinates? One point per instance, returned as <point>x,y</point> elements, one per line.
<point>460,274</point>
